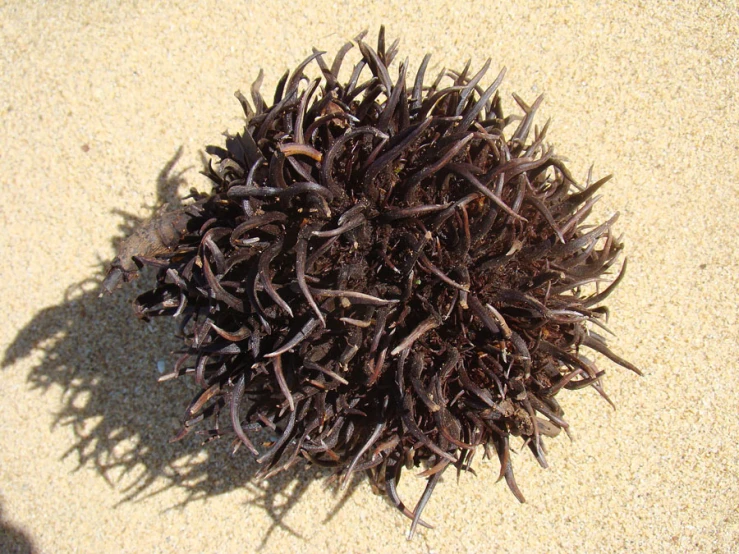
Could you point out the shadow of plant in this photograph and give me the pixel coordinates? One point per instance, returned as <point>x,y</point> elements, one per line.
<point>12,539</point>
<point>104,361</point>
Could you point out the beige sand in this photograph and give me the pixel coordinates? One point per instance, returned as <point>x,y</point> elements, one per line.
<point>95,101</point>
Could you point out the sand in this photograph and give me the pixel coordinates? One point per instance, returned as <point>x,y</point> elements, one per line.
<point>97,99</point>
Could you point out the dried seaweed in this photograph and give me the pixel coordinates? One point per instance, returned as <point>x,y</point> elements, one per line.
<point>383,276</point>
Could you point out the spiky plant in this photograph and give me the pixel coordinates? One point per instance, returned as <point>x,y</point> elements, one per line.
<point>384,275</point>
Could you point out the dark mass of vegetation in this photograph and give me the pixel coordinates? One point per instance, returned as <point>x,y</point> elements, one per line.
<point>388,273</point>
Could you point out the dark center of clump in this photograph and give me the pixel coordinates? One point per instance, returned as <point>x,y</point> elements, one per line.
<point>383,276</point>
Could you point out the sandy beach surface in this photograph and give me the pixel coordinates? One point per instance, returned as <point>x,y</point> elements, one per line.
<point>104,110</point>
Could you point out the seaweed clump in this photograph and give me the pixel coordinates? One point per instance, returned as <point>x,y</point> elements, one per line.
<point>384,276</point>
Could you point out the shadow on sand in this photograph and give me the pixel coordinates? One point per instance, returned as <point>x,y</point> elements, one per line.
<point>14,540</point>
<point>104,361</point>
